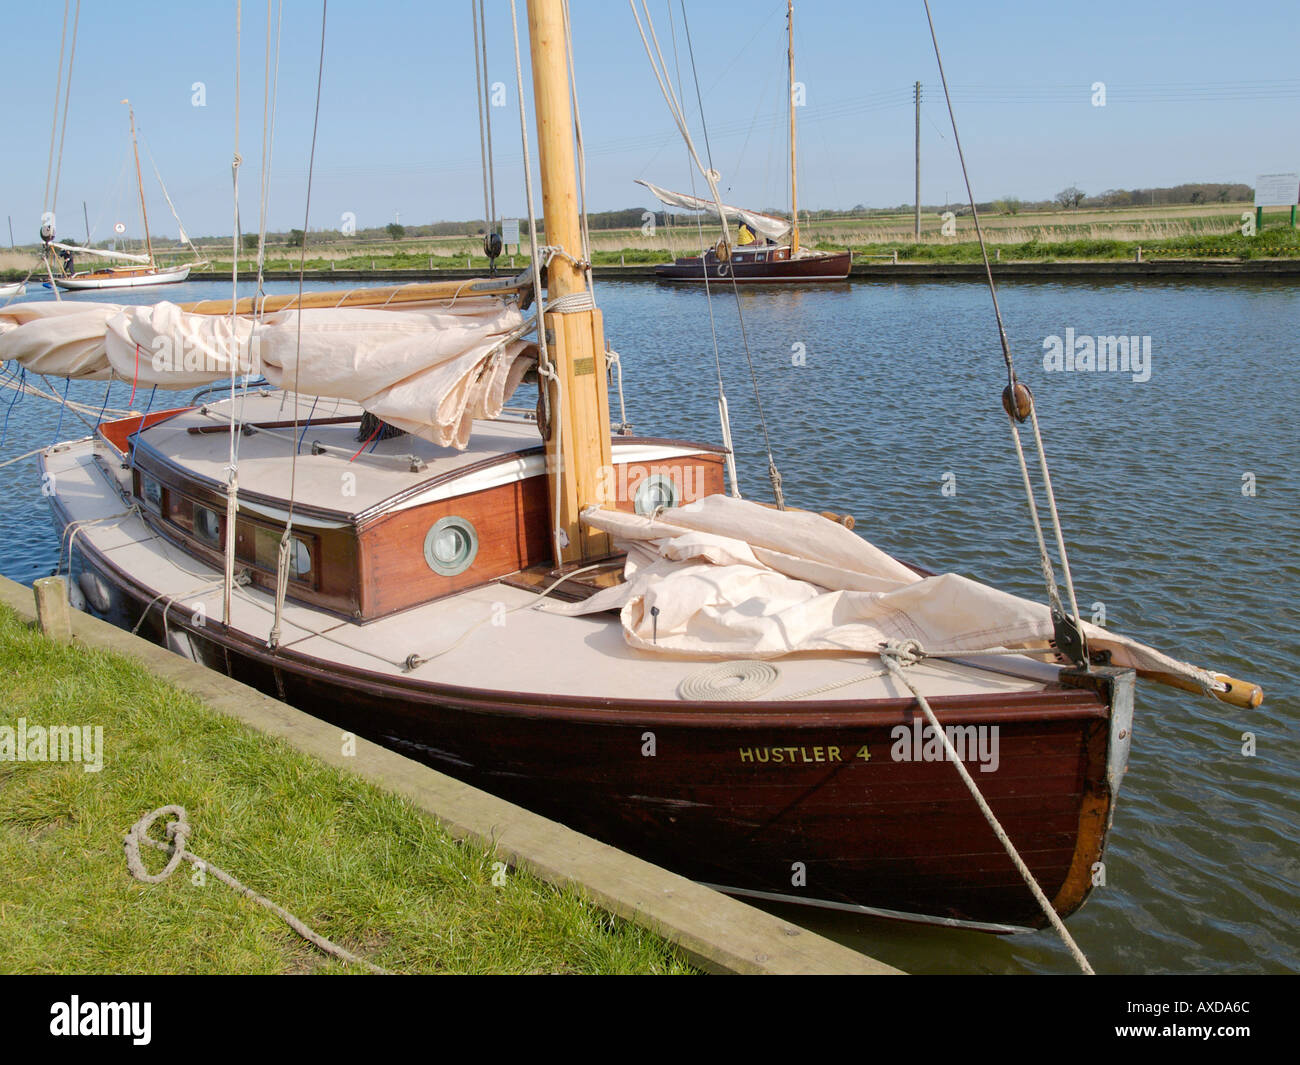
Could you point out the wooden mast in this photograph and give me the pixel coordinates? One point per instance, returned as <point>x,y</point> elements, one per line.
<point>576,340</point>
<point>140,184</point>
<point>794,177</point>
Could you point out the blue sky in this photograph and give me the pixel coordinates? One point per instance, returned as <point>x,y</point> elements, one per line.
<point>1196,91</point>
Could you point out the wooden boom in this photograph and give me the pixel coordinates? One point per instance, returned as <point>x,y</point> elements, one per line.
<point>386,296</point>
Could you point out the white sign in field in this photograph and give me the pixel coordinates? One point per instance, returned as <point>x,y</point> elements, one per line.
<point>1277,190</point>
<point>509,231</point>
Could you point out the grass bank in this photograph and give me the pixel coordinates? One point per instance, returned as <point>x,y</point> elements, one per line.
<point>359,866</point>
<point>1276,241</point>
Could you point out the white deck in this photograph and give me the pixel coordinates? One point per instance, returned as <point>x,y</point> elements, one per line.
<point>533,651</point>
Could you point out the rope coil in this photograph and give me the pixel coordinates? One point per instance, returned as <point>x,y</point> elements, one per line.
<point>177,832</point>
<point>729,681</point>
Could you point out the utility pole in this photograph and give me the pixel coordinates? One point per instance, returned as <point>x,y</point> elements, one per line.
<point>916,94</point>
<point>11,231</point>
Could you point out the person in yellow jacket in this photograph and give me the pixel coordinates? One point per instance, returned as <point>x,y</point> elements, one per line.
<point>746,235</point>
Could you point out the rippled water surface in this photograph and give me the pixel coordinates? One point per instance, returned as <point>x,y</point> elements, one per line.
<point>896,397</point>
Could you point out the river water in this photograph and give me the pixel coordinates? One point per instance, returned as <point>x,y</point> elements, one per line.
<point>1177,486</point>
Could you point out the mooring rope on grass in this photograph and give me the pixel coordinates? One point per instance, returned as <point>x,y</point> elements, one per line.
<point>178,831</point>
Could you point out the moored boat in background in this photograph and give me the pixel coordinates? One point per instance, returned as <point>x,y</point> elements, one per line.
<point>148,273</point>
<point>762,254</point>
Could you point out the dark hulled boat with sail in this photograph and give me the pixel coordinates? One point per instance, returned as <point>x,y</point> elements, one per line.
<point>576,619</point>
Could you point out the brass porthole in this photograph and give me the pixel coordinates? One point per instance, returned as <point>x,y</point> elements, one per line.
<point>655,491</point>
<point>450,546</point>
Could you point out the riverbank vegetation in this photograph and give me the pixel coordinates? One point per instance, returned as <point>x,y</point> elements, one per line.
<point>358,865</point>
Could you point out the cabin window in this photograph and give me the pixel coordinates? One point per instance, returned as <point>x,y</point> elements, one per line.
<point>207,525</point>
<point>450,546</point>
<point>657,490</point>
<point>180,511</point>
<point>266,553</point>
<point>151,493</point>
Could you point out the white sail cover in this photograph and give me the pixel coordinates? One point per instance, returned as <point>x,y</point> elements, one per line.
<point>768,225</point>
<point>101,252</point>
<point>430,369</point>
<point>733,579</point>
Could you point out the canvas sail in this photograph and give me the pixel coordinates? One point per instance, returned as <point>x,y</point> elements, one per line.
<point>768,225</point>
<point>102,253</point>
<point>430,370</point>
<point>729,579</point>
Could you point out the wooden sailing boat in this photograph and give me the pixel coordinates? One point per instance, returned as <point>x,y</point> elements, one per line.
<point>761,254</point>
<point>148,273</point>
<point>412,615</point>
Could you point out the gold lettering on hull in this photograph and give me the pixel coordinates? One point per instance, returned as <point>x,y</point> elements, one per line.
<point>796,755</point>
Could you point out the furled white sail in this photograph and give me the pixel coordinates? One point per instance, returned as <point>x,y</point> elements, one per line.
<point>429,369</point>
<point>727,578</point>
<point>98,251</point>
<point>768,225</point>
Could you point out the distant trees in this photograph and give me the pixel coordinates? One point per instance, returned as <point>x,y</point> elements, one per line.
<point>250,242</point>
<point>295,238</point>
<point>395,231</point>
<point>1070,197</point>
<point>1008,205</point>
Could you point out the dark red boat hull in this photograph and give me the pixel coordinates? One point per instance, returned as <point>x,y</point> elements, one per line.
<point>747,268</point>
<point>817,823</point>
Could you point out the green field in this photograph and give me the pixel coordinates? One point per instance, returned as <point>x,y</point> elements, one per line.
<point>1169,232</point>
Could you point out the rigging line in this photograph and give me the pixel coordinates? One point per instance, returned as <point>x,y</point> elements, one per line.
<point>105,406</point>
<point>724,412</point>
<point>581,148</point>
<point>58,95</point>
<point>282,564</point>
<point>232,470</point>
<point>492,185</point>
<point>302,260</point>
<point>1012,403</point>
<point>961,157</point>
<point>774,475</point>
<point>476,13</point>
<point>185,237</point>
<point>268,148</point>
<point>58,428</point>
<point>660,68</point>
<point>67,97</point>
<point>19,392</point>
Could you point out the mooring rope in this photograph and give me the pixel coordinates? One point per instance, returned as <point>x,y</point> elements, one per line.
<point>178,831</point>
<point>895,656</point>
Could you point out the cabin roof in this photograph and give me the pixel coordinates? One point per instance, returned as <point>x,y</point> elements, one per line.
<point>342,476</point>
